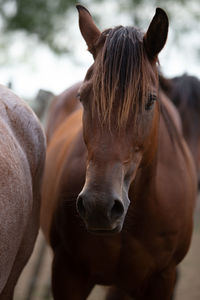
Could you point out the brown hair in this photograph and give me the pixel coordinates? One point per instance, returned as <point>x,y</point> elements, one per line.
<point>121,76</point>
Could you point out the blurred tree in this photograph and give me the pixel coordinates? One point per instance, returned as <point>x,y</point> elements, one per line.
<point>46,18</point>
<point>40,17</point>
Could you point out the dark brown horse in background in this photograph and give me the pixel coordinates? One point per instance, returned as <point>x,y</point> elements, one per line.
<point>22,157</point>
<point>119,184</point>
<point>184,91</point>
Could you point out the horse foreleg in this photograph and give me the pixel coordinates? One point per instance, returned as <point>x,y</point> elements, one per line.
<point>161,286</point>
<point>176,282</point>
<point>68,281</point>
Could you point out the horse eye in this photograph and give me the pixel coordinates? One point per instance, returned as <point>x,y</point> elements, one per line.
<point>150,102</point>
<point>78,96</point>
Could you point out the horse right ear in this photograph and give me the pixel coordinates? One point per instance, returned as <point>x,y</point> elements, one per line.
<point>88,29</point>
<point>156,36</point>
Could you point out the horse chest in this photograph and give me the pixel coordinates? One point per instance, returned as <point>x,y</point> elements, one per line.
<point>123,261</point>
<point>114,260</point>
<point>135,265</point>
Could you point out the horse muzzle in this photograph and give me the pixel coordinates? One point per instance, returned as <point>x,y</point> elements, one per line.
<point>102,214</point>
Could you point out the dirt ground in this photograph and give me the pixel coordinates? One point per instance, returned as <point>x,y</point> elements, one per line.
<point>34,283</point>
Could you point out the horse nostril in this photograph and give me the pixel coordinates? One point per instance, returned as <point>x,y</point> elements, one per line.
<point>117,210</point>
<point>80,206</point>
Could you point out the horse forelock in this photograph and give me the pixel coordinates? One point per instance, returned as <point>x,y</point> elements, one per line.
<point>121,77</point>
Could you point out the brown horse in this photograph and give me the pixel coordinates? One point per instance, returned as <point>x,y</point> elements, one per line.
<point>119,184</point>
<point>184,91</point>
<point>22,156</point>
<point>61,107</point>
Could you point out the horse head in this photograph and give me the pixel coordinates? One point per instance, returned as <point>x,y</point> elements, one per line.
<point>120,116</point>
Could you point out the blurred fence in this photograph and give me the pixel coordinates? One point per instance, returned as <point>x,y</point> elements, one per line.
<point>34,283</point>
<point>41,103</point>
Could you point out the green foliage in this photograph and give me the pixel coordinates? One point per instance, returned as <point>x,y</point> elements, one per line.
<point>47,18</point>
<point>40,17</point>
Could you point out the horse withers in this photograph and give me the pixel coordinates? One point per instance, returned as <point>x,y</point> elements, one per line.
<point>22,156</point>
<point>119,184</point>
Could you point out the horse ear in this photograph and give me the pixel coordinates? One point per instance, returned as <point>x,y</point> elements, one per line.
<point>88,29</point>
<point>156,36</point>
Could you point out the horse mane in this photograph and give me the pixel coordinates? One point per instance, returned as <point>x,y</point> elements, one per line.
<point>122,78</point>
<point>173,132</point>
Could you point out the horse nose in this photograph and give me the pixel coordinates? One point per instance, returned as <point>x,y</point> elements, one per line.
<point>80,206</point>
<point>99,209</point>
<point>117,210</point>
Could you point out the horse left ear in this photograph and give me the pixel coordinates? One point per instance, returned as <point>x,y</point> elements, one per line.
<point>88,29</point>
<point>156,36</point>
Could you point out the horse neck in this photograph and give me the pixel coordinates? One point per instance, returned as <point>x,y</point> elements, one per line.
<point>162,138</point>
<point>144,182</point>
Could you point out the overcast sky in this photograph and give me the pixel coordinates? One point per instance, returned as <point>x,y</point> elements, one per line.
<point>32,66</point>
